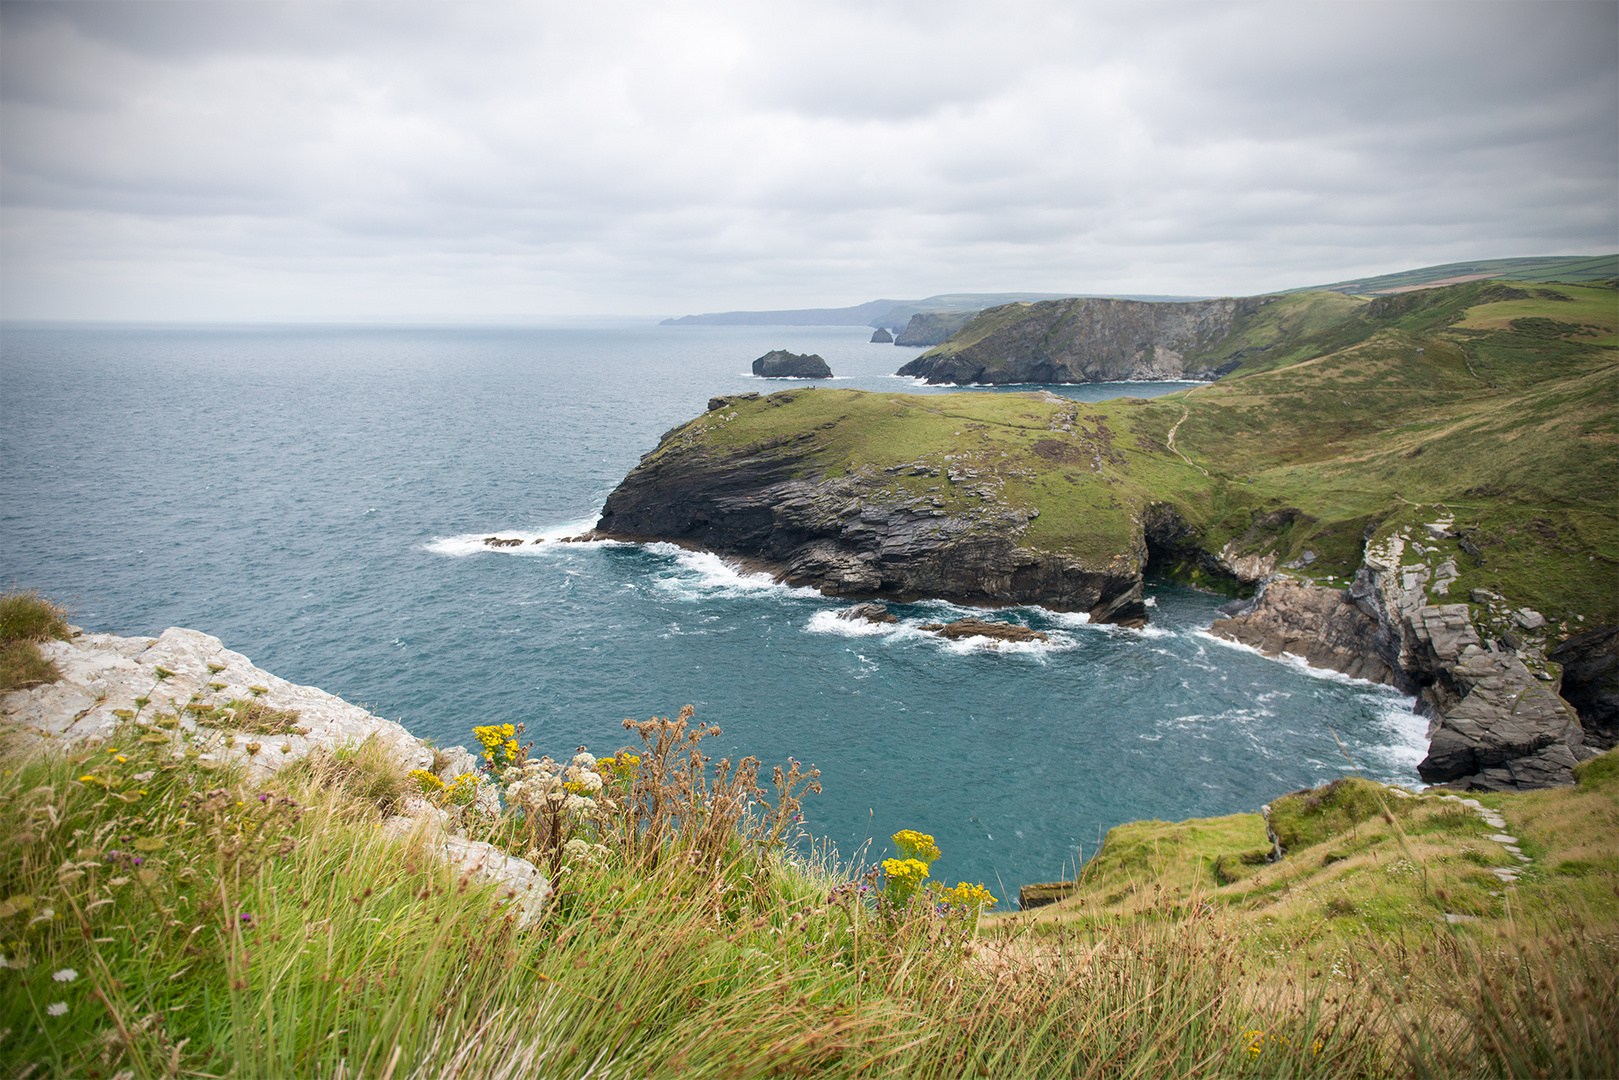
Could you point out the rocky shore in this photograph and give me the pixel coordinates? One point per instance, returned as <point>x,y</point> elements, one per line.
<point>187,688</point>
<point>1497,721</point>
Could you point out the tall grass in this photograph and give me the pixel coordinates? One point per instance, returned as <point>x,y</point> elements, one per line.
<point>26,619</point>
<point>162,918</point>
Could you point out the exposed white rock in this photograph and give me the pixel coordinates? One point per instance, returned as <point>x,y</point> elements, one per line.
<point>103,675</point>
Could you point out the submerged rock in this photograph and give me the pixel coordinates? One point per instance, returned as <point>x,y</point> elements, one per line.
<point>973,627</point>
<point>873,613</point>
<point>781,364</point>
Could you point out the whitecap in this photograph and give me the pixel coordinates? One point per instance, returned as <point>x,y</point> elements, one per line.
<point>1298,663</point>
<point>534,541</point>
<point>701,575</point>
<point>828,622</point>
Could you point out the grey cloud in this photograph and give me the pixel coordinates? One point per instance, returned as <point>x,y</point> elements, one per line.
<point>331,158</point>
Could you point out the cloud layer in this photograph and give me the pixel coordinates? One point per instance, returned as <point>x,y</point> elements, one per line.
<point>197,161</point>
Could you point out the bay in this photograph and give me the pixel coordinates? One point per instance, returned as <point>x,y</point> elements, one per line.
<point>315,496</point>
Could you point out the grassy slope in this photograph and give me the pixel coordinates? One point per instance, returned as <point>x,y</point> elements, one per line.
<point>1550,268</point>
<point>1352,874</point>
<point>1496,404</point>
<point>1436,396</point>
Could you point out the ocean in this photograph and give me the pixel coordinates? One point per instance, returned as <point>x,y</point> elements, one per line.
<point>316,496</point>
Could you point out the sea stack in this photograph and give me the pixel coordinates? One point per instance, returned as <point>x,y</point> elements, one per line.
<point>882,337</point>
<point>781,364</point>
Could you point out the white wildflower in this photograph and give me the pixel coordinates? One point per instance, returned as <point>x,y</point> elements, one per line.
<point>57,1008</point>
<point>65,975</point>
<point>584,760</point>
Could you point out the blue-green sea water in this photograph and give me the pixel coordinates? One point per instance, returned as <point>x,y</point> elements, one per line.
<point>314,497</point>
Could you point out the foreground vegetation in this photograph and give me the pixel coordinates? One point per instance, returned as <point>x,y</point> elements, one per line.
<point>26,619</point>
<point>165,918</point>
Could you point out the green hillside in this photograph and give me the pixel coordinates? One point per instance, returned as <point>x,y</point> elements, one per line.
<point>1497,404</point>
<point>1541,268</point>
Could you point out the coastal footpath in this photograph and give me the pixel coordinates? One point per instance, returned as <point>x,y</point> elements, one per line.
<point>1416,490</point>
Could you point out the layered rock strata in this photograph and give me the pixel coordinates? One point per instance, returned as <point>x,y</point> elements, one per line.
<point>856,534</point>
<point>1495,722</point>
<point>183,675</point>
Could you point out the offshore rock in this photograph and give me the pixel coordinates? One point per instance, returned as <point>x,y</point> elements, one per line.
<point>996,631</point>
<point>872,613</point>
<point>1084,340</point>
<point>933,327</point>
<point>881,336</point>
<point>1322,626</point>
<point>781,364</point>
<point>854,534</point>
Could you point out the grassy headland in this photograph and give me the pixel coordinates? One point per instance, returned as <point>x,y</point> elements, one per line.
<point>1496,405</point>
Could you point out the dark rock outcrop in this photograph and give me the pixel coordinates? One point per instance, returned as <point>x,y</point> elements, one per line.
<point>1085,340</point>
<point>872,613</point>
<point>996,631</point>
<point>928,328</point>
<point>856,533</point>
<point>881,336</point>
<point>781,364</point>
<point>1591,682</point>
<point>1318,624</point>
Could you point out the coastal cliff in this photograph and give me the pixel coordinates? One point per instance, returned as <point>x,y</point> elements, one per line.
<point>933,327</point>
<point>1421,487</point>
<point>818,512</point>
<point>1105,340</point>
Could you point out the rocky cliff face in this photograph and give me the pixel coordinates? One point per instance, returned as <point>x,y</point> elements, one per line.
<point>933,327</point>
<point>1084,340</point>
<point>1495,720</point>
<point>859,533</point>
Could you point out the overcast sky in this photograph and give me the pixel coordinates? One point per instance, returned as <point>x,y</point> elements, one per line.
<point>318,160</point>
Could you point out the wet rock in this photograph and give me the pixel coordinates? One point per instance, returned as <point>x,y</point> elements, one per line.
<point>1323,626</point>
<point>500,542</point>
<point>1508,731</point>
<point>873,613</point>
<point>973,627</point>
<point>781,364</point>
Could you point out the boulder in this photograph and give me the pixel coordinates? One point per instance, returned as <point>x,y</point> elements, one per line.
<point>781,364</point>
<point>996,631</point>
<point>881,336</point>
<point>873,613</point>
<point>1043,893</point>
